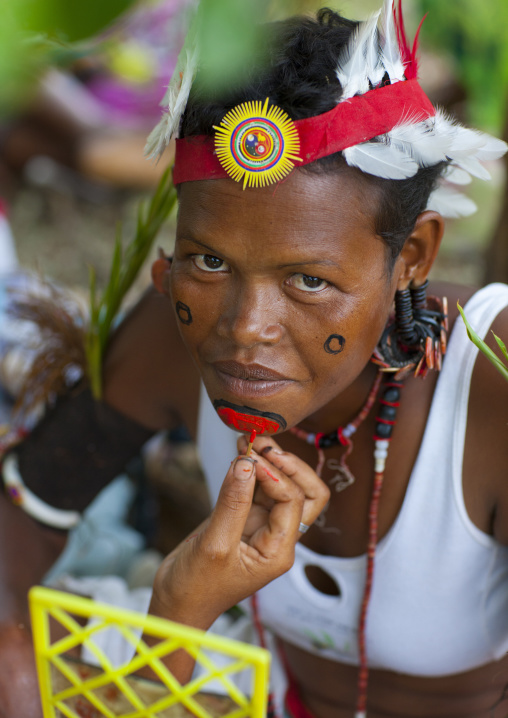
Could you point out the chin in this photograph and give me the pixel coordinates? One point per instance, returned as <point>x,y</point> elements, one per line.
<point>245,418</point>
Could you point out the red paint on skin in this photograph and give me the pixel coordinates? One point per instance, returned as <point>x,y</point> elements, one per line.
<point>247,422</point>
<point>270,474</point>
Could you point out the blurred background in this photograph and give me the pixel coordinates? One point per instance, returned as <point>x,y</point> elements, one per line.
<point>79,91</point>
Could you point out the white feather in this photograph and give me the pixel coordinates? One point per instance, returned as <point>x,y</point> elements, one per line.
<point>375,68</point>
<point>469,146</point>
<point>390,52</point>
<point>445,126</point>
<point>473,166</point>
<point>450,203</point>
<point>420,141</point>
<point>455,175</point>
<point>492,148</point>
<point>352,71</point>
<point>466,143</point>
<point>176,97</point>
<point>381,160</point>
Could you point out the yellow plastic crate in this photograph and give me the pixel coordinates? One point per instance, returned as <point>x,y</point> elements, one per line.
<point>74,689</point>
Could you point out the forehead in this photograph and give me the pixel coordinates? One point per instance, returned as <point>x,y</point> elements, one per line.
<point>307,209</point>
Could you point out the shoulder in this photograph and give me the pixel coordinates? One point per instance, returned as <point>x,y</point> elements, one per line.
<point>486,450</point>
<point>148,374</point>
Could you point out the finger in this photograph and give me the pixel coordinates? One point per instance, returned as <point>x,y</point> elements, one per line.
<point>285,514</point>
<point>259,441</point>
<point>317,493</point>
<point>228,518</point>
<point>294,467</point>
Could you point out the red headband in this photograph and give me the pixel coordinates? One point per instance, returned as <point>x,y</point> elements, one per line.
<point>349,123</point>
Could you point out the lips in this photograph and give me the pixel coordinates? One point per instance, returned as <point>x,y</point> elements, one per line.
<point>249,381</point>
<point>249,372</point>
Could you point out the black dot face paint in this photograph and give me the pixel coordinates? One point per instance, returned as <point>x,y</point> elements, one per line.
<point>184,313</point>
<point>334,344</point>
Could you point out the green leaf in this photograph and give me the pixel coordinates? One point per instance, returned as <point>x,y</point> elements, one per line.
<point>501,345</point>
<point>230,37</point>
<point>67,18</point>
<point>483,347</point>
<point>35,33</point>
<point>125,266</point>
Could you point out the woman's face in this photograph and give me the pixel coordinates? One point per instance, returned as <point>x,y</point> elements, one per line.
<point>282,292</point>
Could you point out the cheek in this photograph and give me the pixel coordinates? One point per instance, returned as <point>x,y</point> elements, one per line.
<point>344,342</point>
<point>183,312</point>
<point>195,306</point>
<point>334,344</point>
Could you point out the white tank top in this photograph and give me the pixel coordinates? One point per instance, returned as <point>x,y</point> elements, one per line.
<point>439,603</point>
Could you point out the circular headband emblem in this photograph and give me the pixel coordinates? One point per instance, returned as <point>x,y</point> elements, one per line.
<point>257,143</point>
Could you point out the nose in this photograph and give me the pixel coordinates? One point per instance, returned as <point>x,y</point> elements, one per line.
<point>251,316</point>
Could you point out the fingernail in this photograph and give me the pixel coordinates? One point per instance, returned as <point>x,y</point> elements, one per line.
<point>267,450</point>
<point>243,467</point>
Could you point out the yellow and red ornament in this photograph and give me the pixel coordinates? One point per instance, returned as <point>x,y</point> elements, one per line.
<point>257,143</point>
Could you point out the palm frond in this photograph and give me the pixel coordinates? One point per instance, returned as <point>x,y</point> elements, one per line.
<point>125,267</point>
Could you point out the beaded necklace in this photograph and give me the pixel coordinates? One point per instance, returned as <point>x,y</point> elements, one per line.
<point>340,437</point>
<point>385,421</point>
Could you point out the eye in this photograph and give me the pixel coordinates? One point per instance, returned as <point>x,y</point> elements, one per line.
<point>306,283</point>
<point>209,263</point>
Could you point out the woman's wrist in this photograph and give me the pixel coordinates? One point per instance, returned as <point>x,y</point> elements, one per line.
<point>196,614</point>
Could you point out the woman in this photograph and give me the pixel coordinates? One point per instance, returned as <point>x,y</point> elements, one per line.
<point>281,293</point>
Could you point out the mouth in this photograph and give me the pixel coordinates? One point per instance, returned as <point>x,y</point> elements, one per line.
<point>250,381</point>
<point>245,418</point>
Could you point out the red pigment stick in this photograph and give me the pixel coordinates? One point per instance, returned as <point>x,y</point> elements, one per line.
<point>251,441</point>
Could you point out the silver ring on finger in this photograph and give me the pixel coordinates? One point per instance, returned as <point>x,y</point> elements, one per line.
<point>303,528</point>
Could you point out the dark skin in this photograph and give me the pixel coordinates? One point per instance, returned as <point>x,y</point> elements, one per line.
<point>28,552</point>
<point>252,320</point>
<point>262,313</point>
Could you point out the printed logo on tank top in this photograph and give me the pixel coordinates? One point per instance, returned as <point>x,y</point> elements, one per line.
<point>322,633</point>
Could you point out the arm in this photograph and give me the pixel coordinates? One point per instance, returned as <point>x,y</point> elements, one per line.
<point>248,541</point>
<point>27,550</point>
<point>147,372</point>
<point>485,455</point>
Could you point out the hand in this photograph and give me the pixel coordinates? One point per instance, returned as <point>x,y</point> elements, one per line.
<point>316,492</point>
<point>248,541</point>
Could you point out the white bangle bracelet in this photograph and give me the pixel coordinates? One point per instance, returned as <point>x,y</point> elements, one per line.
<point>30,503</point>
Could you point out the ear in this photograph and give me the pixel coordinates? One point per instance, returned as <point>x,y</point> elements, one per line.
<point>160,273</point>
<point>420,250</point>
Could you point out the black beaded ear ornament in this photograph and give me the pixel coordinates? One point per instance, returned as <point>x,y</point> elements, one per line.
<point>415,338</point>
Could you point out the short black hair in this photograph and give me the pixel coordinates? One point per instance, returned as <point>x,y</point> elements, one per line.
<point>296,70</point>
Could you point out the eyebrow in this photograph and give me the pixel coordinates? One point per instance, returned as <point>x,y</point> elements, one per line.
<point>285,265</point>
<point>305,263</point>
<point>201,244</point>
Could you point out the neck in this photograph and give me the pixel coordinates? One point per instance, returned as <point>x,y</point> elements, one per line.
<point>344,407</point>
